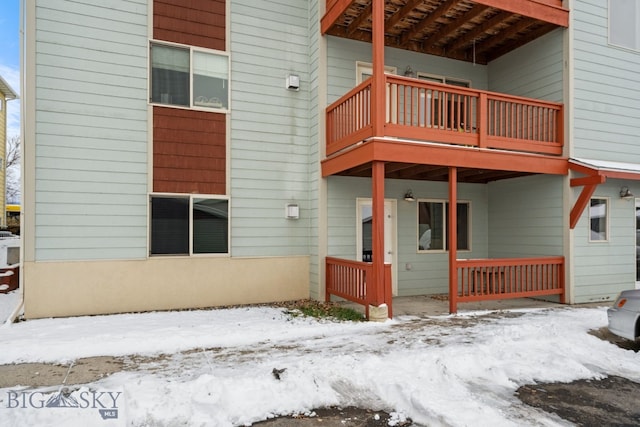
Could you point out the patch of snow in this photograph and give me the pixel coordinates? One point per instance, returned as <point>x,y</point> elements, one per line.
<point>218,365</point>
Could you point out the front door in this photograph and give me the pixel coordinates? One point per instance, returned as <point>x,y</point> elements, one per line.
<point>364,236</point>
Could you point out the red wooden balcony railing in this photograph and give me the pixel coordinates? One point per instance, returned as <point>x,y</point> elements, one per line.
<point>349,119</point>
<point>491,279</point>
<point>351,280</point>
<point>425,111</point>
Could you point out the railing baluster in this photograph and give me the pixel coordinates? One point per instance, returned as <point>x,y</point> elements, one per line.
<point>509,278</point>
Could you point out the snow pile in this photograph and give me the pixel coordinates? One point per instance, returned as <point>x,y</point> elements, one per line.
<point>238,366</point>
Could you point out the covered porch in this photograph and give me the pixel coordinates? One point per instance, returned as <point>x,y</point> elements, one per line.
<point>470,280</point>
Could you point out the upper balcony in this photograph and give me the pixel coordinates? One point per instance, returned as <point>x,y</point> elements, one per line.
<point>419,110</point>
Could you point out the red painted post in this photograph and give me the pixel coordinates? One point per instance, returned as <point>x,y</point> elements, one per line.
<point>377,225</point>
<point>378,101</point>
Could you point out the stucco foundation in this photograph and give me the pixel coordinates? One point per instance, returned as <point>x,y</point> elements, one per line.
<point>54,289</point>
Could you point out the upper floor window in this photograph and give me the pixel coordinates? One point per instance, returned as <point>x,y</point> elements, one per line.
<point>443,79</point>
<point>624,23</point>
<point>433,229</point>
<point>598,220</point>
<point>189,77</point>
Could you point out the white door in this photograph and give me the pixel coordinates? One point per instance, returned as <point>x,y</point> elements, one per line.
<point>364,236</point>
<point>364,70</point>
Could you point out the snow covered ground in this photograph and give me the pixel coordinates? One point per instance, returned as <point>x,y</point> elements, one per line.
<point>457,370</point>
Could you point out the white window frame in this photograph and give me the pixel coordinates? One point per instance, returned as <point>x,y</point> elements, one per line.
<point>192,50</point>
<point>606,219</point>
<point>444,79</point>
<point>367,68</point>
<point>617,25</point>
<point>191,197</point>
<point>445,235</point>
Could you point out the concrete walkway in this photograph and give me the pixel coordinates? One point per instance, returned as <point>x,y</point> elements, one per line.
<point>438,305</point>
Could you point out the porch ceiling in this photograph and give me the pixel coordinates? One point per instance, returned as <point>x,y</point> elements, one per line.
<point>469,30</point>
<point>394,170</point>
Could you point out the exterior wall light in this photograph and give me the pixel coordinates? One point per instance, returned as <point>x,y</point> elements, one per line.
<point>408,196</point>
<point>409,72</point>
<point>293,82</point>
<point>625,193</point>
<point>292,211</point>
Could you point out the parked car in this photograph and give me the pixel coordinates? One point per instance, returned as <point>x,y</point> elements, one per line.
<point>624,316</point>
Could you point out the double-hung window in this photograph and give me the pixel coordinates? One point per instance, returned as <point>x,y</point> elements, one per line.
<point>189,77</point>
<point>189,224</point>
<point>624,23</point>
<point>598,220</point>
<point>433,229</point>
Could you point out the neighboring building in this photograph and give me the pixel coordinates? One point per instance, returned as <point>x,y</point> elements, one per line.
<point>6,94</point>
<point>184,154</point>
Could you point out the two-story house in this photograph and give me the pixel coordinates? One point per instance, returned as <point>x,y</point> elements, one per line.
<point>183,154</point>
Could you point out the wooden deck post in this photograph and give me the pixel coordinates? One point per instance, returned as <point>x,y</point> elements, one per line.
<point>453,239</point>
<point>377,225</point>
<point>378,95</point>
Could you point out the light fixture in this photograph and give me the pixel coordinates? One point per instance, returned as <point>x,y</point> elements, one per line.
<point>292,211</point>
<point>293,82</point>
<point>625,193</point>
<point>409,72</point>
<point>408,196</point>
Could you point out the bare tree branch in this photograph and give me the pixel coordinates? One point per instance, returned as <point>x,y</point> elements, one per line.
<point>12,168</point>
<point>13,152</point>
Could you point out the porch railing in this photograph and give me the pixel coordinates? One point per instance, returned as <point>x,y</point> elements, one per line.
<point>351,280</point>
<point>425,111</point>
<point>491,279</point>
<point>349,119</point>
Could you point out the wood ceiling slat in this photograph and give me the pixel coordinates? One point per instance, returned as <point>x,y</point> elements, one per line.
<point>479,31</point>
<point>507,36</point>
<point>521,41</point>
<point>401,13</point>
<point>443,9</point>
<point>363,17</point>
<point>455,25</point>
<point>449,28</point>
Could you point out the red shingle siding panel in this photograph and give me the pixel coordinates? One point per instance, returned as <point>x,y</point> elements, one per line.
<point>191,22</point>
<point>189,151</point>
